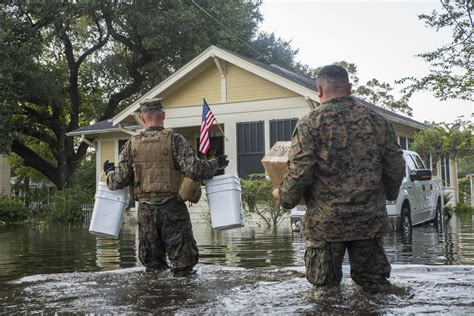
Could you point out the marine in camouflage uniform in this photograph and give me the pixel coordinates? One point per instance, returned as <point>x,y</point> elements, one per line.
<point>164,223</point>
<point>345,161</point>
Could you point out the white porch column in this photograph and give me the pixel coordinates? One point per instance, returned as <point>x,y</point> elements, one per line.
<point>230,145</point>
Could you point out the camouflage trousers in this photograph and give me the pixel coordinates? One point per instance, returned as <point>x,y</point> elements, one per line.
<point>166,230</point>
<point>369,265</point>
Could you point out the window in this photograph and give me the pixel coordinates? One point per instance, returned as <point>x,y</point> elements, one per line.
<point>403,141</point>
<point>281,130</point>
<point>418,162</point>
<point>410,163</point>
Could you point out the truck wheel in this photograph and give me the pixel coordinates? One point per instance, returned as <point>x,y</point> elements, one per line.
<point>405,221</point>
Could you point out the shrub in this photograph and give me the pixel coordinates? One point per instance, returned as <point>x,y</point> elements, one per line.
<point>462,208</point>
<point>257,196</point>
<point>67,205</point>
<point>12,210</point>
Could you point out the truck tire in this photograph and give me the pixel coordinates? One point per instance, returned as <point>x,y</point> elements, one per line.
<point>405,221</point>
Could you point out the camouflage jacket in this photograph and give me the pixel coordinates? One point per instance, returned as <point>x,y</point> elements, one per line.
<point>345,161</point>
<point>184,158</point>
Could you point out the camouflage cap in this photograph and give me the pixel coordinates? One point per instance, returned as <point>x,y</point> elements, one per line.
<point>151,104</point>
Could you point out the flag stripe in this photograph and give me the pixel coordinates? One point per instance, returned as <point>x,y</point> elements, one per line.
<point>206,122</point>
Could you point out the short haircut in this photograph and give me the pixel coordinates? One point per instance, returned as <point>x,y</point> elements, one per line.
<point>333,78</point>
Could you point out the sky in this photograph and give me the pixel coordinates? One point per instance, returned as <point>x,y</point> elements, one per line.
<point>381,37</point>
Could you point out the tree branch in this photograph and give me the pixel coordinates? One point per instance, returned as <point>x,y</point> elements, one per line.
<point>453,18</point>
<point>33,160</point>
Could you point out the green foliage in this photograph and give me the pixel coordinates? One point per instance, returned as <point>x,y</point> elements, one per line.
<point>455,140</point>
<point>451,72</point>
<point>12,210</point>
<point>462,209</point>
<point>84,176</point>
<point>67,204</point>
<point>65,65</point>
<point>464,188</point>
<point>257,197</point>
<point>466,165</point>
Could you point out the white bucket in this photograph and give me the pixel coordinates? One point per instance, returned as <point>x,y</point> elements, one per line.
<point>108,211</point>
<point>224,198</point>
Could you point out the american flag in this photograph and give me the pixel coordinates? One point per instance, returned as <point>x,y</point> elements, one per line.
<point>207,120</point>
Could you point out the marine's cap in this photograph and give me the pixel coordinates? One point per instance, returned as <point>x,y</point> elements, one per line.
<point>151,104</point>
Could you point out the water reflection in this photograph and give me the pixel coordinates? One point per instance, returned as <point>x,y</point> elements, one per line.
<point>41,248</point>
<point>245,270</point>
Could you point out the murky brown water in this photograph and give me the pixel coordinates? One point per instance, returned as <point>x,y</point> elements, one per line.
<point>48,269</point>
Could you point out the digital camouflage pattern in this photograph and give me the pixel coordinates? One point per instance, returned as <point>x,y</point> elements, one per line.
<point>166,230</point>
<point>369,265</point>
<point>345,160</point>
<point>164,223</point>
<point>184,157</point>
<point>155,104</point>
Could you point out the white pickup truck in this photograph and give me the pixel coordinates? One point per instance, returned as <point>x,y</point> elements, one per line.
<point>420,199</point>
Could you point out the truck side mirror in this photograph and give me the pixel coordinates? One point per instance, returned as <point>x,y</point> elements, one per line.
<point>420,175</point>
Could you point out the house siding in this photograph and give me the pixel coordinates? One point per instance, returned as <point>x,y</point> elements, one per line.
<point>403,130</point>
<point>107,152</point>
<point>205,84</point>
<point>245,86</point>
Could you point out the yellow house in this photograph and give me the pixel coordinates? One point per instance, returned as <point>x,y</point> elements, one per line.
<point>5,176</point>
<point>255,105</point>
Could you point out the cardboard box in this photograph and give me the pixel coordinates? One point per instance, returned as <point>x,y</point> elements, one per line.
<point>275,162</point>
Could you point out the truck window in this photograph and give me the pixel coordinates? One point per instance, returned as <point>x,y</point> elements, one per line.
<point>418,162</point>
<point>410,163</point>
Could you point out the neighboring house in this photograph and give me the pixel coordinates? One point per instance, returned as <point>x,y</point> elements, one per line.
<point>255,105</point>
<point>5,176</point>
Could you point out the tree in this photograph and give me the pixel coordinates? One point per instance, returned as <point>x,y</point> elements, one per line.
<point>451,72</point>
<point>257,196</point>
<point>65,65</point>
<point>454,140</point>
<point>377,92</point>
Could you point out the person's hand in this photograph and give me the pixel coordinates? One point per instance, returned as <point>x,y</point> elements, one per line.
<point>108,166</point>
<point>222,162</point>
<point>276,195</point>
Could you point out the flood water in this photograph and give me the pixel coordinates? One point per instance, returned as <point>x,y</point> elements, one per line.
<point>61,268</point>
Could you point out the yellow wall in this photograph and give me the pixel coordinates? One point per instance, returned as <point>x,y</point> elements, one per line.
<point>403,130</point>
<point>241,86</point>
<point>5,175</point>
<point>245,86</point>
<point>206,84</point>
<point>107,152</point>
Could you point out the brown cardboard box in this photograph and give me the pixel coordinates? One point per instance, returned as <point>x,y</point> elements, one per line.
<point>275,162</point>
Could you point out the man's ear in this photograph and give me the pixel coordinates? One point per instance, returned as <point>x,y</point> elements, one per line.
<point>350,88</point>
<point>320,90</point>
<point>142,118</point>
<point>164,115</point>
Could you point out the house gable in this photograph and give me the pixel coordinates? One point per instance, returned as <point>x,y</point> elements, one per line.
<point>238,85</point>
<point>245,86</point>
<point>205,84</point>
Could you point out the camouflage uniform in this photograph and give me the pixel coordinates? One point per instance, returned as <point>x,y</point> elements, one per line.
<point>164,222</point>
<point>345,161</point>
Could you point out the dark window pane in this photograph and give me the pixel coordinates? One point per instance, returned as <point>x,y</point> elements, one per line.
<point>281,130</point>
